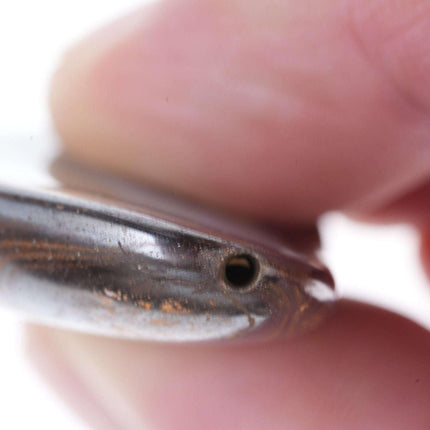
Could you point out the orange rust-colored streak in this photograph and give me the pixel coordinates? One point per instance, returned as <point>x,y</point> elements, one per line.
<point>145,305</point>
<point>302,304</point>
<point>44,256</point>
<point>164,322</point>
<point>36,261</point>
<point>285,308</point>
<point>173,307</point>
<point>291,276</point>
<point>44,246</point>
<point>11,243</point>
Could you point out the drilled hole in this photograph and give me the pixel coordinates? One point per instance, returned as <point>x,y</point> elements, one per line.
<point>240,271</point>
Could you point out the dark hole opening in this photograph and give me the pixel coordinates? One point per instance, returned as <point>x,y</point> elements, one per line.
<point>240,271</point>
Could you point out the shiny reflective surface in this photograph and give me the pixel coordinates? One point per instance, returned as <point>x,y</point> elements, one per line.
<point>103,255</point>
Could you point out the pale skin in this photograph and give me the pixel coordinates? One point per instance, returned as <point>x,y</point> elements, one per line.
<point>278,111</point>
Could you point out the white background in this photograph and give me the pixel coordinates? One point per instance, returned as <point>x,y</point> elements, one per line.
<point>377,264</point>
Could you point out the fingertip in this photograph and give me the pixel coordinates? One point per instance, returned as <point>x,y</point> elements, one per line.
<point>241,111</point>
<point>363,367</point>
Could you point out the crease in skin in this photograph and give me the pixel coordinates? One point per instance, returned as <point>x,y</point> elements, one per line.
<point>415,102</point>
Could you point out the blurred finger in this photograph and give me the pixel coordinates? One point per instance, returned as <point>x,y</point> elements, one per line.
<point>365,368</point>
<point>280,111</point>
